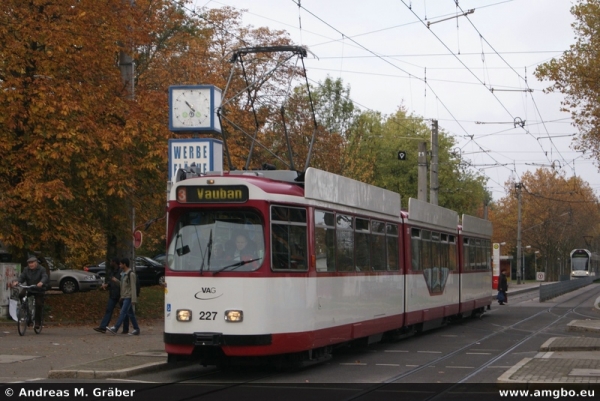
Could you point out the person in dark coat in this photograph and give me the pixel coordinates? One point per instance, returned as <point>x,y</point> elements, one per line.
<point>503,287</point>
<point>34,274</point>
<point>113,284</point>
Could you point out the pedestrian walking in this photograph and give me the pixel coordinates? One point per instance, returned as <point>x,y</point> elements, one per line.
<point>113,284</point>
<point>129,298</point>
<point>502,288</point>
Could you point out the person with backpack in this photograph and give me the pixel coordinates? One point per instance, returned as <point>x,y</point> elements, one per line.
<point>113,284</point>
<point>129,297</point>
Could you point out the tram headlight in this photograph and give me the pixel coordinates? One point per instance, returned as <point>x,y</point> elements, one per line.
<point>184,315</point>
<point>234,316</point>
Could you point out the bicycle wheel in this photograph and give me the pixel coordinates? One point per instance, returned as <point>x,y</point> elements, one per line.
<point>22,319</point>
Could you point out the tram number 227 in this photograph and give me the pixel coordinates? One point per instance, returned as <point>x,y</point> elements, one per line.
<point>208,315</point>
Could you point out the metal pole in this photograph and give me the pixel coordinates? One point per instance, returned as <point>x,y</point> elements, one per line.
<point>132,262</point>
<point>433,173</point>
<point>518,187</point>
<point>422,172</point>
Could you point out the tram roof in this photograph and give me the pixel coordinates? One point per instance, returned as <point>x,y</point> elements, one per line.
<point>472,225</point>
<point>329,187</point>
<point>428,213</point>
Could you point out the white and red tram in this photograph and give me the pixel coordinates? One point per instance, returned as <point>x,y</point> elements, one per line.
<point>263,265</point>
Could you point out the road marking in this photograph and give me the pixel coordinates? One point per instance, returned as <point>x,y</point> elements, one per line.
<point>479,353</point>
<point>387,364</point>
<point>394,350</point>
<point>430,352</point>
<point>354,364</point>
<point>412,366</point>
<point>460,367</point>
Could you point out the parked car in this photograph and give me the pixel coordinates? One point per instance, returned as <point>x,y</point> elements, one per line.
<point>149,270</point>
<point>161,258</point>
<point>69,280</point>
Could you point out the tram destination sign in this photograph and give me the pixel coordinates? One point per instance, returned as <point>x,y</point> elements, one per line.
<point>212,194</point>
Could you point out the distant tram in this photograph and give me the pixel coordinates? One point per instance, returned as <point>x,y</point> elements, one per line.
<point>584,263</point>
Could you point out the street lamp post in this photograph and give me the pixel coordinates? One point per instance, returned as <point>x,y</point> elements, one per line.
<point>523,265</point>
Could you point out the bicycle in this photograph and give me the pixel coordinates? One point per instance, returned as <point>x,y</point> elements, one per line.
<point>26,312</point>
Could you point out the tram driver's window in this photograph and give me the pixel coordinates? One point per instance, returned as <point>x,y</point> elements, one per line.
<point>288,238</point>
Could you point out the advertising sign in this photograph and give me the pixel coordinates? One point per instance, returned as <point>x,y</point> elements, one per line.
<point>206,153</point>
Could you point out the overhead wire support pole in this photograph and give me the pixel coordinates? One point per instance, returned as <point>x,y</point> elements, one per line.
<point>433,173</point>
<point>518,187</point>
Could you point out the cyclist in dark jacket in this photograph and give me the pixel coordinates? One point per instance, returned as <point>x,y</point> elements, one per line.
<point>113,284</point>
<point>34,274</point>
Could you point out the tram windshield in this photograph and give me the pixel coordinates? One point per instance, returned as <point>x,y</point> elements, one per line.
<point>579,263</point>
<point>217,240</point>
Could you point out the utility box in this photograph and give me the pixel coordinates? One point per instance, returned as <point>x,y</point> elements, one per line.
<point>8,273</point>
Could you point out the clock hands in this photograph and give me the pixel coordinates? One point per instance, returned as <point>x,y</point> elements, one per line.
<point>190,106</point>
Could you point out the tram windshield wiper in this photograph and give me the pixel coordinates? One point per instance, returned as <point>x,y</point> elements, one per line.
<point>210,244</point>
<point>208,251</point>
<point>236,265</point>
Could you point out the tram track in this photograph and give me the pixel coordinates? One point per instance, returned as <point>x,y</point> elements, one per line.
<point>219,381</point>
<point>585,297</point>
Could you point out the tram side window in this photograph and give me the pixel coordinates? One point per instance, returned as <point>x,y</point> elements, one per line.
<point>378,254</point>
<point>345,242</point>
<point>361,239</point>
<point>415,248</point>
<point>288,238</point>
<point>444,251</point>
<point>325,241</point>
<point>426,262</point>
<point>451,252</point>
<point>392,246</point>
<point>487,247</point>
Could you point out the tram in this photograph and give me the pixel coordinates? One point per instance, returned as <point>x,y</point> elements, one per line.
<point>280,267</point>
<point>584,263</point>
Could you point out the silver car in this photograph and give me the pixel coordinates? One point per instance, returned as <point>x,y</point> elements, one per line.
<point>69,280</point>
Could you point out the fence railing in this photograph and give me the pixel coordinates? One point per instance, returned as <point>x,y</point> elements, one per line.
<point>550,291</point>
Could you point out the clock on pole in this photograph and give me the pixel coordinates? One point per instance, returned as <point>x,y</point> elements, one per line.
<point>193,108</point>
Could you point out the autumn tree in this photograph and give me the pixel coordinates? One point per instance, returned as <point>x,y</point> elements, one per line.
<point>559,214</point>
<point>371,156</point>
<point>80,150</point>
<point>576,75</point>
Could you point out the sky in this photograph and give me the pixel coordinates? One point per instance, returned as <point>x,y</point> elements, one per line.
<point>473,73</point>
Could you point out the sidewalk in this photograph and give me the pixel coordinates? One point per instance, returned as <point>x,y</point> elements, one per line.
<point>563,360</point>
<point>570,360</point>
<point>79,352</point>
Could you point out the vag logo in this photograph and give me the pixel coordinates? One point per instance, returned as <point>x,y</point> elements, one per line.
<point>207,293</point>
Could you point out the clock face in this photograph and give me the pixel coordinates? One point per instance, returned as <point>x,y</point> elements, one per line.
<point>190,108</point>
